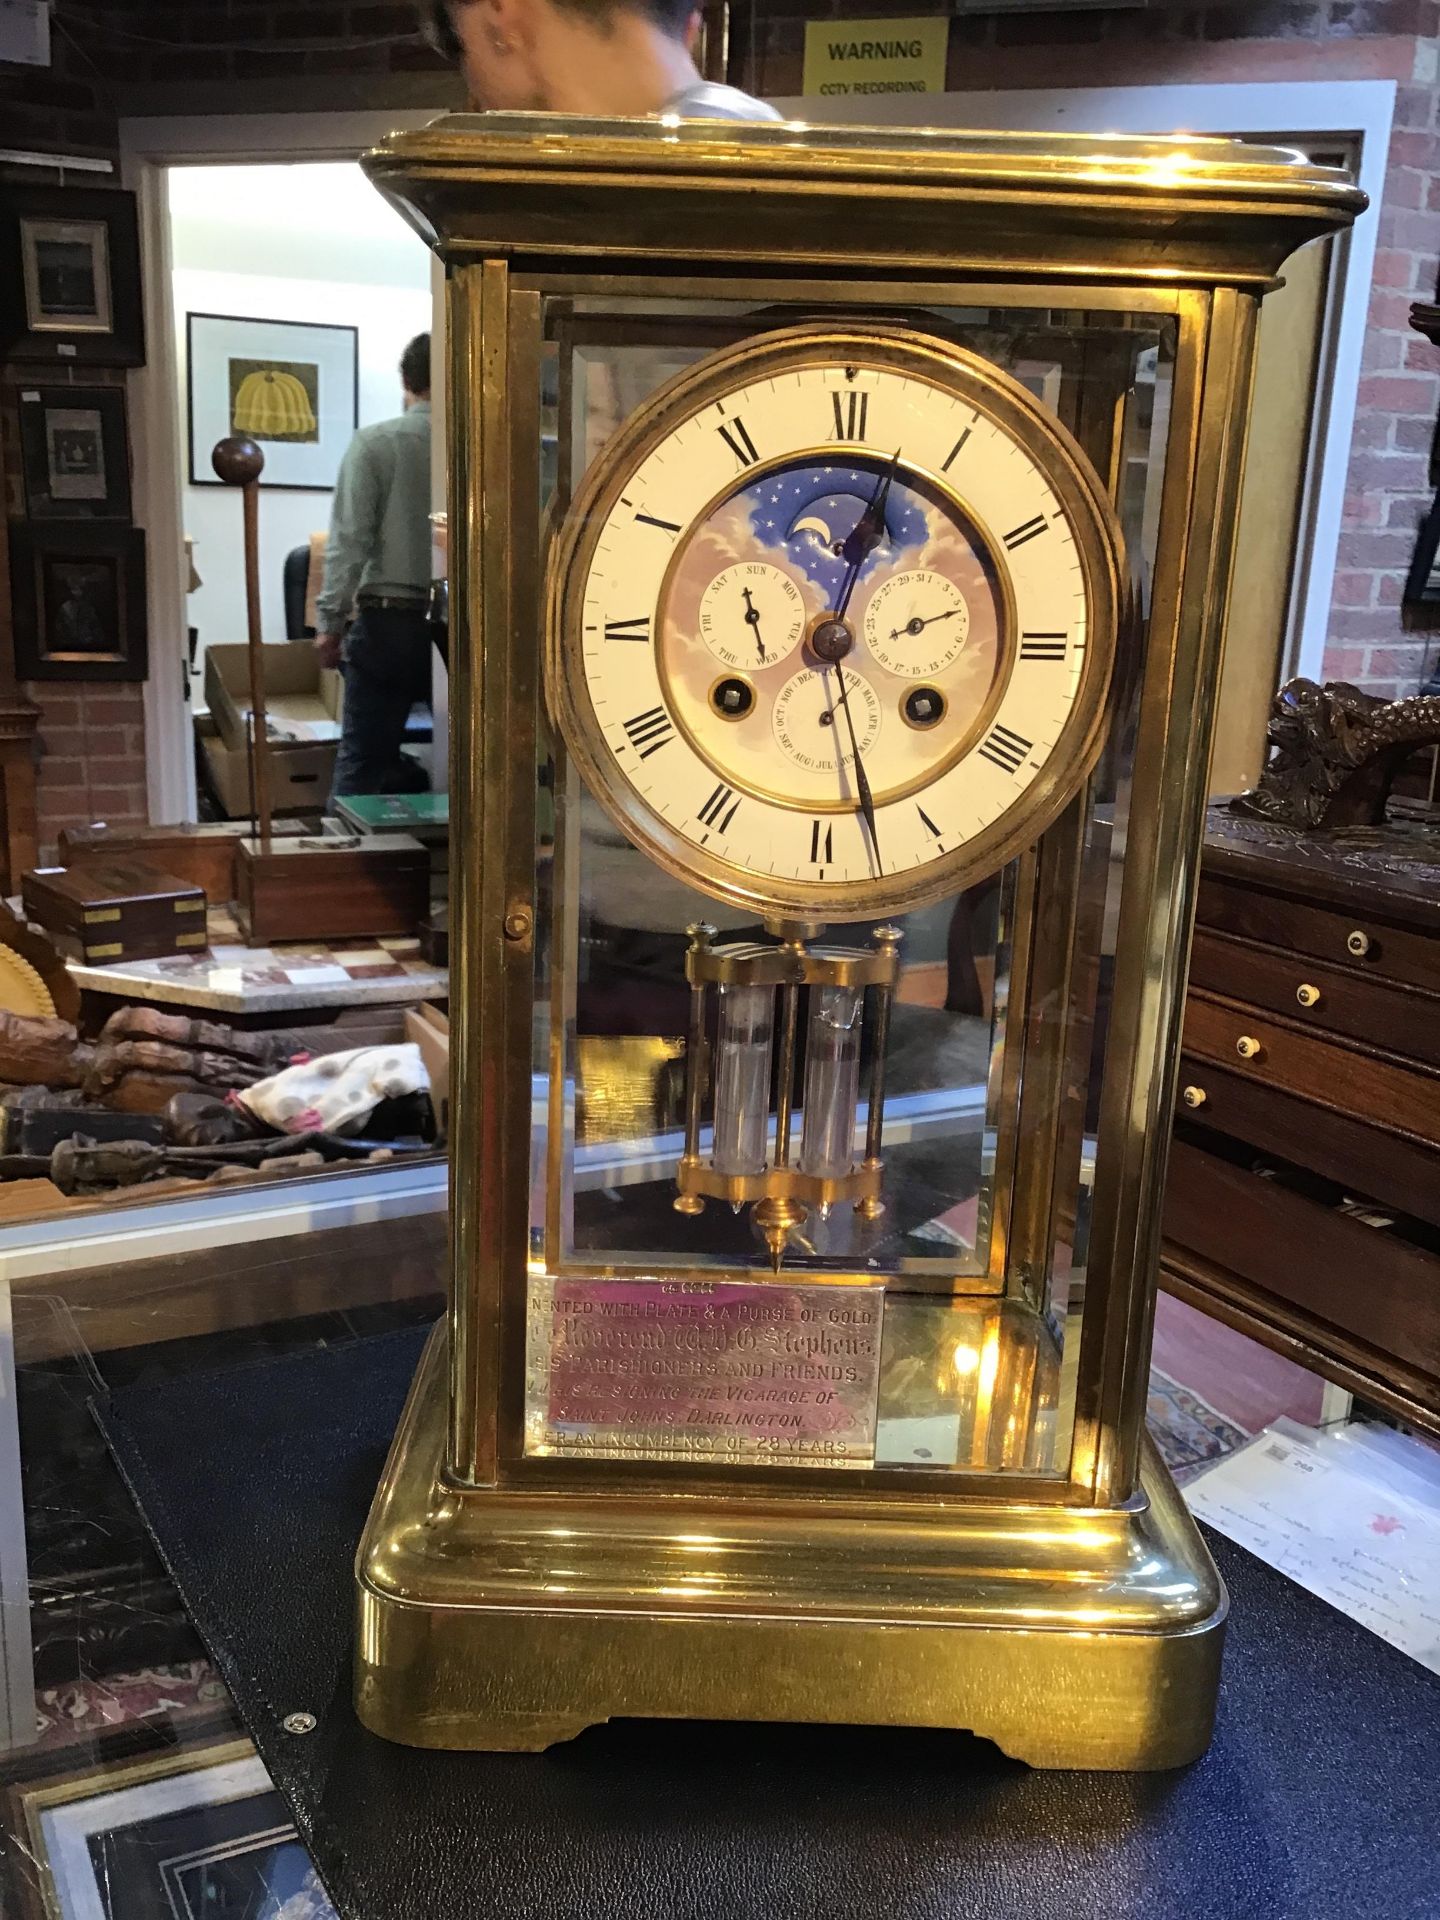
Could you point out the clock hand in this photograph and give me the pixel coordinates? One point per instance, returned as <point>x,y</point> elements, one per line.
<point>919,626</point>
<point>868,532</point>
<point>862,779</point>
<point>752,619</point>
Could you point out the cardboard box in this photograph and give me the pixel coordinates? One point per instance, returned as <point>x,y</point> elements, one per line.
<point>299,778</point>
<point>429,1028</point>
<point>302,699</point>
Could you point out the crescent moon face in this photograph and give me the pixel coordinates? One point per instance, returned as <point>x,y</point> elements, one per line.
<point>812,523</point>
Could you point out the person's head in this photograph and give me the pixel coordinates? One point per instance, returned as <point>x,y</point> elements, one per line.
<point>415,368</point>
<point>569,56</point>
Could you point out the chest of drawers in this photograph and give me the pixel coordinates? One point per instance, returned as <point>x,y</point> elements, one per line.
<point>1303,1203</point>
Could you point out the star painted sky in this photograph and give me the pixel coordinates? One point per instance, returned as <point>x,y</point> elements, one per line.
<point>804,512</point>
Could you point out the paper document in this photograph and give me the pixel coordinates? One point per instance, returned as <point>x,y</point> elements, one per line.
<point>1367,1547</point>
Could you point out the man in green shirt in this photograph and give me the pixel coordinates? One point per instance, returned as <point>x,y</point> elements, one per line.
<point>377,562</point>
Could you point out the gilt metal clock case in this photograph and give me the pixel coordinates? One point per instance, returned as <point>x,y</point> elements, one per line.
<point>824,855</point>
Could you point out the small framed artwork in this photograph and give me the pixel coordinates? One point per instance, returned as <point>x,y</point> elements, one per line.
<point>70,277</point>
<point>78,591</point>
<point>75,444</point>
<point>291,385</point>
<point>183,1834</point>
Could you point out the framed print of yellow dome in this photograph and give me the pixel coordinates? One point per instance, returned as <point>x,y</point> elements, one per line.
<point>840,526</point>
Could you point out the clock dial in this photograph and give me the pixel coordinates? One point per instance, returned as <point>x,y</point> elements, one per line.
<point>916,623</point>
<point>876,589</point>
<point>752,615</point>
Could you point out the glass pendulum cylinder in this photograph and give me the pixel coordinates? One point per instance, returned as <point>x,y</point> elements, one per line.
<point>742,1079</point>
<point>832,1082</point>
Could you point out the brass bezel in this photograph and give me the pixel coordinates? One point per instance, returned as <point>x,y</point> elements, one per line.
<point>1010,407</point>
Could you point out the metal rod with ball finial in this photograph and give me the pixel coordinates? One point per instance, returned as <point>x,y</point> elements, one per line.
<point>239,462</point>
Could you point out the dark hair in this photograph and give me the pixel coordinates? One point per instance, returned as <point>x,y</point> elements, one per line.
<point>415,365</point>
<point>438,25</point>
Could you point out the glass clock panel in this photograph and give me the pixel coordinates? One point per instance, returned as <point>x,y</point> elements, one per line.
<point>812,1143</point>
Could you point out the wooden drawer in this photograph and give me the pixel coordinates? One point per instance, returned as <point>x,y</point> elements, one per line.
<point>1371,1087</point>
<point>1401,1174</point>
<point>1409,955</point>
<point>1366,1284</point>
<point>1400,1019</point>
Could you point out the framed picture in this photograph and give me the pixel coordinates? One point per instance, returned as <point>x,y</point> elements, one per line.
<point>75,443</point>
<point>78,589</point>
<point>70,277</point>
<point>291,385</point>
<point>177,1834</point>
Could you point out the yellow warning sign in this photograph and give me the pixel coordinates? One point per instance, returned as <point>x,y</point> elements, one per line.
<point>851,58</point>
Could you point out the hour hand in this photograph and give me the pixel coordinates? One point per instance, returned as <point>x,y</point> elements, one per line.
<point>752,620</point>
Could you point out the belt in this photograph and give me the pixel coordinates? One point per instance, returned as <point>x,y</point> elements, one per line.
<point>391,603</point>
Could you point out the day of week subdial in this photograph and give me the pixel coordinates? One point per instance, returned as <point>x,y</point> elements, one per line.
<point>916,623</point>
<point>809,722</point>
<point>752,616</point>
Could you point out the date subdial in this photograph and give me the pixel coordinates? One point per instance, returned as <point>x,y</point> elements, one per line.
<point>752,616</point>
<point>809,726</point>
<point>916,624</point>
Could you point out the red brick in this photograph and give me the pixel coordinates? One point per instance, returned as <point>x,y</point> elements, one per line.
<point>62,741</point>
<point>108,710</point>
<point>1394,268</point>
<point>1384,350</point>
<point>1386,472</point>
<point>1383,551</point>
<point>1390,310</point>
<point>1363,510</point>
<point>1389,589</point>
<point>1415,109</point>
<point>112,803</point>
<point>1405,187</point>
<point>1411,149</point>
<point>1355,589</point>
<point>1344,663</point>
<point>1415,436</point>
<point>1401,393</point>
<point>1375,623</point>
<point>1406,664</point>
<point>1372,431</point>
<point>61,773</point>
<point>1422,355</point>
<point>1407,510</point>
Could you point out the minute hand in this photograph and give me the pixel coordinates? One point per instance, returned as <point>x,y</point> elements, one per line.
<point>862,779</point>
<point>868,532</point>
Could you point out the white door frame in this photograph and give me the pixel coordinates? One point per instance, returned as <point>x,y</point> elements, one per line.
<point>147,148</point>
<point>1354,111</point>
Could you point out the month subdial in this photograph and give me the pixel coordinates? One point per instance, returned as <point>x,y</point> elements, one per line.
<point>916,624</point>
<point>752,616</point>
<point>809,724</point>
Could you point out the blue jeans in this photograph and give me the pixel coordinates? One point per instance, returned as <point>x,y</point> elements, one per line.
<point>386,663</point>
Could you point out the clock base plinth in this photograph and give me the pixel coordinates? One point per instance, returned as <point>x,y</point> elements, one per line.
<point>510,1621</point>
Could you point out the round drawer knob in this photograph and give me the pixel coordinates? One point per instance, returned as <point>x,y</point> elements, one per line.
<point>1194,1097</point>
<point>1308,996</point>
<point>1358,943</point>
<point>1249,1048</point>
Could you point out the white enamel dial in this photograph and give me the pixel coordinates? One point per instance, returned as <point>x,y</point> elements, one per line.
<point>752,615</point>
<point>913,530</point>
<point>916,623</point>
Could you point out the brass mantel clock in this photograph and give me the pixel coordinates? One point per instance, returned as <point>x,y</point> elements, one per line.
<point>840,530</point>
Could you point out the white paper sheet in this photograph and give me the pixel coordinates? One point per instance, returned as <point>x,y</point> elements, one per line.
<point>1366,1547</point>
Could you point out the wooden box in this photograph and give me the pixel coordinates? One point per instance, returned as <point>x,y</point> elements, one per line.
<point>116,909</point>
<point>318,889</point>
<point>203,855</point>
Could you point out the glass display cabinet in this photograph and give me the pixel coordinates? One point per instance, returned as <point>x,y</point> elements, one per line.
<point>839,537</point>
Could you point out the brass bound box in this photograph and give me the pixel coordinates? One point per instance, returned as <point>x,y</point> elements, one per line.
<point>840,528</point>
<point>115,908</point>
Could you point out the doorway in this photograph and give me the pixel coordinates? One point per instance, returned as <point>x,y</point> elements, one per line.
<point>261,220</point>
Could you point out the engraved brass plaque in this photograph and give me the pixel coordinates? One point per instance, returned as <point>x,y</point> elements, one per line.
<point>704,1370</point>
